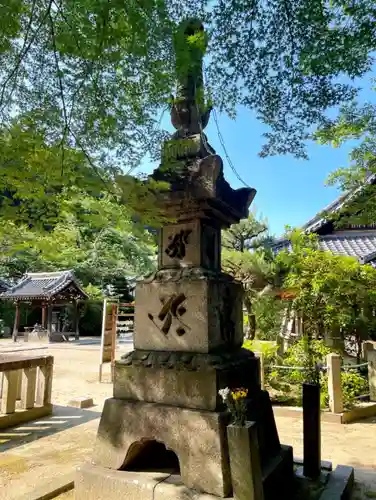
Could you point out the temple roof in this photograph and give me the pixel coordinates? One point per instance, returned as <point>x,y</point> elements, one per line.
<point>320,220</point>
<point>353,242</point>
<point>358,244</point>
<point>46,286</point>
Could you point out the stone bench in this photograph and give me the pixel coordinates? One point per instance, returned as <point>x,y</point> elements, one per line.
<point>25,388</point>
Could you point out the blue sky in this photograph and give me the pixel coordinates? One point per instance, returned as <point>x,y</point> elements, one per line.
<point>289,191</point>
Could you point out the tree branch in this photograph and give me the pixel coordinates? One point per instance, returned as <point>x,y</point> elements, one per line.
<point>25,49</point>
<point>61,89</point>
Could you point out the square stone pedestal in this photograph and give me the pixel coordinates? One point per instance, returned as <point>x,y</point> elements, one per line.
<point>190,314</point>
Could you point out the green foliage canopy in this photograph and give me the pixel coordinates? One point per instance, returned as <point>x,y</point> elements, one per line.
<point>356,122</point>
<point>246,257</point>
<point>41,184</point>
<point>99,72</point>
<point>332,292</point>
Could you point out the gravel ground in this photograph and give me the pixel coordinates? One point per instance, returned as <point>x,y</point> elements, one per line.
<point>76,370</point>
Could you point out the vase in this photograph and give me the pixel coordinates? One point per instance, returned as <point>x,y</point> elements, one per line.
<point>245,463</point>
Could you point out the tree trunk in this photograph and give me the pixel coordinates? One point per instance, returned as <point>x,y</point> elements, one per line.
<point>358,347</point>
<point>251,330</point>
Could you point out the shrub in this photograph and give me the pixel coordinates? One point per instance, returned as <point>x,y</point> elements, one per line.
<point>268,313</point>
<point>296,355</point>
<point>268,349</point>
<point>353,385</point>
<point>7,313</point>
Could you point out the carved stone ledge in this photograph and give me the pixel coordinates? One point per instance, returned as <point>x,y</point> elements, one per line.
<point>188,273</point>
<point>187,361</point>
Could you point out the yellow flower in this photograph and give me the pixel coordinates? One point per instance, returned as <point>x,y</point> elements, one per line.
<point>239,394</point>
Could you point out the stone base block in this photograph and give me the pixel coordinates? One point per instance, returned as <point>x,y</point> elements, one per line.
<point>22,416</point>
<point>340,484</point>
<point>198,439</point>
<point>97,483</point>
<point>184,379</point>
<point>278,475</point>
<point>81,403</point>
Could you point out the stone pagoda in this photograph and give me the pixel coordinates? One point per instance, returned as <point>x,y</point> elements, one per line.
<point>166,422</point>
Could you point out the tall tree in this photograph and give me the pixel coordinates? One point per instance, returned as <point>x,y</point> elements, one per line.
<point>246,257</point>
<point>100,72</point>
<point>40,184</point>
<point>98,256</point>
<point>333,293</point>
<point>248,233</point>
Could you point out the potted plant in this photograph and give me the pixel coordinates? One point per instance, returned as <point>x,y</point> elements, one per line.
<point>235,400</point>
<point>243,447</point>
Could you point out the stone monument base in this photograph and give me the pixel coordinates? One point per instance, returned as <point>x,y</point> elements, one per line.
<point>135,438</point>
<point>131,431</point>
<point>96,483</point>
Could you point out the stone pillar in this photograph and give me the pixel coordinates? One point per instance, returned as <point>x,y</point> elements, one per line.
<point>19,383</point>
<point>333,362</point>
<point>372,374</point>
<point>367,346</point>
<point>44,385</point>
<point>9,393</point>
<point>29,380</point>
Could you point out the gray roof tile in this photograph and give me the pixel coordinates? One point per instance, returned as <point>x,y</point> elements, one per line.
<point>359,244</point>
<point>319,220</point>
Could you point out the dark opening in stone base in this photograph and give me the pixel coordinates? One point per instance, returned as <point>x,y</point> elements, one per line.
<point>151,456</point>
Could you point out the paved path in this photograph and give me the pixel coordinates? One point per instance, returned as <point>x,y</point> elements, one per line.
<point>352,444</point>
<point>53,446</point>
<point>30,465</point>
<point>59,444</point>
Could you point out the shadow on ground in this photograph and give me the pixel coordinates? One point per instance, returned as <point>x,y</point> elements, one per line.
<point>62,418</point>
